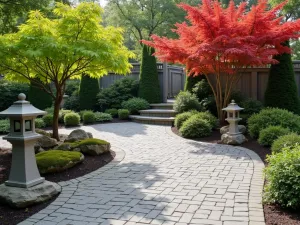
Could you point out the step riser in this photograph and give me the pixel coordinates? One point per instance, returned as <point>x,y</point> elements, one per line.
<point>158,114</point>
<point>162,107</point>
<point>154,122</point>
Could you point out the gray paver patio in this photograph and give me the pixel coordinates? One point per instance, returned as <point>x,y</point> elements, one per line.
<point>160,178</point>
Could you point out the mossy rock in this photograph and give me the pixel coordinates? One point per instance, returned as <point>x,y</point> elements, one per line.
<point>53,161</point>
<point>90,146</point>
<point>42,132</point>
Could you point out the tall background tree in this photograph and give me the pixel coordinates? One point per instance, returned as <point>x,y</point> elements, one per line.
<point>56,50</point>
<point>89,88</point>
<point>282,90</point>
<point>219,42</point>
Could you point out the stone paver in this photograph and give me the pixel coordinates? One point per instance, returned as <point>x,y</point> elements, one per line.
<point>160,178</point>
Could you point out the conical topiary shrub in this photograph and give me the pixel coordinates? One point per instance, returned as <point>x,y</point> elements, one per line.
<point>281,91</point>
<point>149,82</point>
<point>39,97</point>
<point>89,88</point>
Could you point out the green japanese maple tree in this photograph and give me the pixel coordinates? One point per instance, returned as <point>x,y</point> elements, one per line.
<point>56,50</point>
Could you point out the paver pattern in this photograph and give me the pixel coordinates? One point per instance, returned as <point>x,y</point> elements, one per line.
<point>160,178</point>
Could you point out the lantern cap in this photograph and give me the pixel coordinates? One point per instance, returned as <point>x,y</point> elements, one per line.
<point>22,108</point>
<point>233,107</point>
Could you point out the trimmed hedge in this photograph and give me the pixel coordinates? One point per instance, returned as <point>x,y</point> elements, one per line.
<point>89,117</point>
<point>268,135</point>
<point>273,117</point>
<point>72,119</point>
<point>285,141</point>
<point>195,127</point>
<point>283,178</point>
<point>48,119</point>
<point>182,117</point>
<point>89,88</point>
<point>135,104</point>
<point>113,112</point>
<point>149,82</point>
<point>123,114</point>
<point>102,117</point>
<point>62,114</point>
<point>185,101</point>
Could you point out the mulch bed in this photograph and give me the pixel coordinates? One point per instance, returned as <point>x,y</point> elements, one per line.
<point>9,216</point>
<point>274,214</point>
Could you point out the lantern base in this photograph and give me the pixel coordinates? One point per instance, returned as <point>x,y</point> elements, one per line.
<point>17,197</point>
<point>233,139</point>
<point>29,184</point>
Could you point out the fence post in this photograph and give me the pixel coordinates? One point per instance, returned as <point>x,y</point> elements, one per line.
<point>165,82</point>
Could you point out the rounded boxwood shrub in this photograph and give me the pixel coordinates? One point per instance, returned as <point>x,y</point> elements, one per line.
<point>273,117</point>
<point>39,123</point>
<point>185,101</point>
<point>72,119</point>
<point>123,114</point>
<point>56,160</point>
<point>284,141</point>
<point>283,176</point>
<point>113,112</point>
<point>48,119</point>
<point>182,117</point>
<point>4,126</point>
<point>82,112</point>
<point>195,127</point>
<point>135,104</point>
<point>89,117</point>
<point>102,117</point>
<point>210,118</point>
<point>62,114</point>
<point>268,135</point>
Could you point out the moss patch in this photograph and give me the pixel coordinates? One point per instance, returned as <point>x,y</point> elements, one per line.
<point>57,160</point>
<point>89,141</point>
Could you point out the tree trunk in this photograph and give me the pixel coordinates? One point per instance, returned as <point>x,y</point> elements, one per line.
<point>57,103</point>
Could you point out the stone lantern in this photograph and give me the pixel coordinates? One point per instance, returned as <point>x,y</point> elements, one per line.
<point>233,136</point>
<point>24,179</point>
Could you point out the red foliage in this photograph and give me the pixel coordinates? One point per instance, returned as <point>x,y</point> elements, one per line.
<point>220,40</point>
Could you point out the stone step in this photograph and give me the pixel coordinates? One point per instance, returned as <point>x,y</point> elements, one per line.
<point>158,112</point>
<point>153,120</point>
<point>162,106</point>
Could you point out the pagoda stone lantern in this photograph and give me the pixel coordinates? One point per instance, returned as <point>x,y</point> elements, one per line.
<point>25,186</point>
<point>233,136</point>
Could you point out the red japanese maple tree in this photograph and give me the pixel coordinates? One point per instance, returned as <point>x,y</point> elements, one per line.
<point>220,42</point>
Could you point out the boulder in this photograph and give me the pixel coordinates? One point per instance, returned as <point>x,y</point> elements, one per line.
<point>94,149</point>
<point>233,139</point>
<point>46,142</point>
<point>77,135</point>
<point>90,134</point>
<point>42,132</point>
<point>23,197</point>
<point>63,146</point>
<point>225,129</point>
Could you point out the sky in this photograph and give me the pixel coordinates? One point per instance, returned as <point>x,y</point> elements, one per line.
<point>103,2</point>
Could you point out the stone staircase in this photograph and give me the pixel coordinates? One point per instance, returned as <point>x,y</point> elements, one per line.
<point>159,114</point>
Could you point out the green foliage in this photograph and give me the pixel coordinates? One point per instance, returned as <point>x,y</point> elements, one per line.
<point>237,96</point>
<point>209,104</point>
<point>42,132</point>
<point>39,97</point>
<point>149,82</point>
<point>273,117</point>
<point>56,159</point>
<point>284,141</point>
<point>182,117</point>
<point>89,141</point>
<point>49,110</point>
<point>62,114</point>
<point>102,117</point>
<point>123,114</point>
<point>251,106</point>
<point>195,127</point>
<point>89,88</point>
<point>135,104</point>
<point>210,118</point>
<point>9,92</point>
<point>202,89</point>
<point>185,101</point>
<point>72,86</point>
<point>72,103</point>
<point>82,112</point>
<point>39,123</point>
<point>282,90</point>
<point>192,81</point>
<point>4,126</point>
<point>113,112</point>
<point>72,119</point>
<point>120,91</point>
<point>89,117</point>
<point>268,135</point>
<point>48,120</point>
<point>283,178</point>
